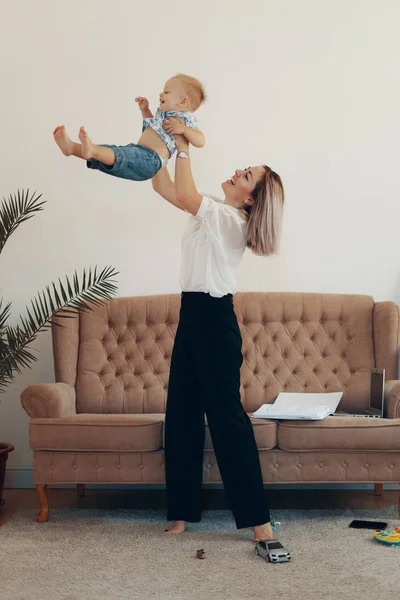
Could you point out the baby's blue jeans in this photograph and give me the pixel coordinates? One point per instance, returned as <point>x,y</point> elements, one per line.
<point>131,162</point>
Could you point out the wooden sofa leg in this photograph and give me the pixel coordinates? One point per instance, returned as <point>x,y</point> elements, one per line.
<point>43,516</point>
<point>80,489</point>
<point>378,489</point>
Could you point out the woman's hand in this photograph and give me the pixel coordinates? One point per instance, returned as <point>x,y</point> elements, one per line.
<point>174,126</point>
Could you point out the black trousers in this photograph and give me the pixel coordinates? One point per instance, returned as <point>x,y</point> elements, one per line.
<point>205,379</point>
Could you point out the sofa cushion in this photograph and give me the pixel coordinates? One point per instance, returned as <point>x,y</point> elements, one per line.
<point>98,433</point>
<point>340,433</point>
<point>265,433</point>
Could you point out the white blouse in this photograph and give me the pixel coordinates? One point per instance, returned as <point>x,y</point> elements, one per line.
<point>212,248</point>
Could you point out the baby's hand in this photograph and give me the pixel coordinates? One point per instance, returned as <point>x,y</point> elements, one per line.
<point>174,126</point>
<point>142,102</point>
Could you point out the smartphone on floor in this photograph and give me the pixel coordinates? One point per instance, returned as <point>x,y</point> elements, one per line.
<point>368,524</point>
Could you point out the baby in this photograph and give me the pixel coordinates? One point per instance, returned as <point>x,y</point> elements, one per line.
<point>182,95</point>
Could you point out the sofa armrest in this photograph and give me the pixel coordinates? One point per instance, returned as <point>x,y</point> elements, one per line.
<point>392,399</point>
<point>49,400</point>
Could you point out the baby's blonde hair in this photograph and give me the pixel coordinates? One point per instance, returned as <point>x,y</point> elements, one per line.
<point>194,89</point>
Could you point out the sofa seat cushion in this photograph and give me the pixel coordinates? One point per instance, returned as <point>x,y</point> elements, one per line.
<point>98,433</point>
<point>340,433</point>
<point>265,433</point>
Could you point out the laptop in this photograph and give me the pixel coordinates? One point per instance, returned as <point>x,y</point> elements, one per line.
<point>376,397</point>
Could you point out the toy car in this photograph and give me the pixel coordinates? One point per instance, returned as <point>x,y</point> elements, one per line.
<point>272,551</point>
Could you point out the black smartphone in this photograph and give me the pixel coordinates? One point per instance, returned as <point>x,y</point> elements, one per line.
<point>368,524</point>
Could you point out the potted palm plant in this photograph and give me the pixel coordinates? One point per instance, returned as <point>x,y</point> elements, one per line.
<point>65,298</point>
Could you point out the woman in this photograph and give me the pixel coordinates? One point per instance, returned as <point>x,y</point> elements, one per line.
<point>206,358</point>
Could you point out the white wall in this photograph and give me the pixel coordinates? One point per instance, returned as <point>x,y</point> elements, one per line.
<point>310,87</point>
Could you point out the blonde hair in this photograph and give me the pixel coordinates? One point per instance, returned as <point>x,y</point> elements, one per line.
<point>265,215</point>
<point>194,89</point>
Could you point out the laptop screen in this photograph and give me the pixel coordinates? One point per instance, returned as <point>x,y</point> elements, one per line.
<point>377,388</point>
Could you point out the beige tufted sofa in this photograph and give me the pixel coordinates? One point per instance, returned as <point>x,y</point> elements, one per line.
<point>103,419</point>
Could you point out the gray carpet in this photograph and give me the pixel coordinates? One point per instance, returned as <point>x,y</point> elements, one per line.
<point>124,555</point>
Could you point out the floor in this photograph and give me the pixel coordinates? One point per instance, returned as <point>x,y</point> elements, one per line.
<point>17,499</point>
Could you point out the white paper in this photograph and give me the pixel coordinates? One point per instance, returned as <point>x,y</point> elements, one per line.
<point>297,406</point>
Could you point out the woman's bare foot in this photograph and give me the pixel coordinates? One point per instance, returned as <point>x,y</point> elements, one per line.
<point>263,532</point>
<point>62,140</point>
<point>87,145</point>
<point>177,527</point>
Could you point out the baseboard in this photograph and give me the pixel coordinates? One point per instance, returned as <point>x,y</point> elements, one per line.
<point>22,477</point>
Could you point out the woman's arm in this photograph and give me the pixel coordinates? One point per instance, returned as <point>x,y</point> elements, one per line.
<point>185,189</point>
<point>163,185</point>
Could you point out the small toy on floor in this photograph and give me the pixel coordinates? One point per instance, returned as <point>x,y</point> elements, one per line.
<point>200,553</point>
<point>272,551</point>
<point>274,524</point>
<point>391,537</point>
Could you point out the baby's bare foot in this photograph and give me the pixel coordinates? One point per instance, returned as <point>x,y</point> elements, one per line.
<point>62,140</point>
<point>177,527</point>
<point>87,145</point>
<point>263,532</point>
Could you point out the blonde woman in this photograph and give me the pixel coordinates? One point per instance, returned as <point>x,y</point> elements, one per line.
<point>206,359</point>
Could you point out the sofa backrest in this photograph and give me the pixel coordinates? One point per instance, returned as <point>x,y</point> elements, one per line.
<point>118,356</point>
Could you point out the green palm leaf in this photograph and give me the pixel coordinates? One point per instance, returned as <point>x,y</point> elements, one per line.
<point>15,354</point>
<point>65,298</point>
<point>19,208</point>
